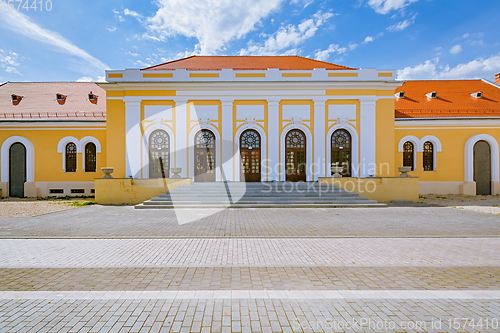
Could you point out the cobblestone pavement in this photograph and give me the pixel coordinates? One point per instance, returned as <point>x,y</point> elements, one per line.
<point>126,222</point>
<point>115,269</point>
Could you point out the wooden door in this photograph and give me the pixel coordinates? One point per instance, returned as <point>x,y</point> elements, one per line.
<point>295,156</point>
<point>250,152</point>
<point>482,168</point>
<point>159,154</point>
<point>204,156</point>
<point>341,151</point>
<point>17,170</point>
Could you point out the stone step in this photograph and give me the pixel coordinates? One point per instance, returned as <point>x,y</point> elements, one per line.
<point>257,195</point>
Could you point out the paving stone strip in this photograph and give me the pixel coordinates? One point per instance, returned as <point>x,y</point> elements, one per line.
<point>74,253</point>
<point>248,278</point>
<point>248,315</point>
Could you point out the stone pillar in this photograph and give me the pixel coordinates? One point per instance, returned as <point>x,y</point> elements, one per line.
<point>181,136</point>
<point>273,139</point>
<point>133,140</point>
<point>319,144</point>
<point>367,132</point>
<point>228,144</point>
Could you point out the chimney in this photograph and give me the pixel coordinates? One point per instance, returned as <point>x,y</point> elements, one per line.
<point>497,78</point>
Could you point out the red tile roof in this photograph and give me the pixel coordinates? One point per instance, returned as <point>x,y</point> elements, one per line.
<point>39,101</point>
<point>214,63</point>
<point>453,99</point>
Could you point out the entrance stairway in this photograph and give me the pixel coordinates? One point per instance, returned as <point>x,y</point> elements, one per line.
<point>258,195</point>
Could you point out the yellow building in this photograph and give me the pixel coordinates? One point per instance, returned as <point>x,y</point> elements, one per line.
<point>252,119</point>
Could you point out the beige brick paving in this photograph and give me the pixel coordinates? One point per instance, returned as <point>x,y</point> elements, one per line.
<point>125,222</point>
<point>274,270</point>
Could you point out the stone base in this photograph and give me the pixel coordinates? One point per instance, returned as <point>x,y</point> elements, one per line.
<point>468,188</point>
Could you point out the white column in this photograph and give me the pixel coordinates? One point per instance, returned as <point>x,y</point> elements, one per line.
<point>181,139</point>
<point>227,144</point>
<point>319,138</point>
<point>273,138</point>
<point>367,137</point>
<point>133,140</point>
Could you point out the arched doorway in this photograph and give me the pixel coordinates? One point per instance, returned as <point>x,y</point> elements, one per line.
<point>482,167</point>
<point>341,151</point>
<point>250,152</point>
<point>295,156</point>
<point>204,156</point>
<point>159,154</point>
<point>17,169</point>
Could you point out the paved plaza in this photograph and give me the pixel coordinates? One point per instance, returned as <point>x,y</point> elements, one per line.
<point>116,269</point>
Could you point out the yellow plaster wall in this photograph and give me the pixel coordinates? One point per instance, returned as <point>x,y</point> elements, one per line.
<point>385,189</point>
<point>450,161</point>
<point>115,127</point>
<point>385,135</point>
<point>127,191</point>
<point>48,162</point>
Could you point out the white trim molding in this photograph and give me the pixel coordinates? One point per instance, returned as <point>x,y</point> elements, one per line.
<point>145,147</point>
<point>354,148</point>
<point>469,156</point>
<point>30,158</point>
<point>309,150</point>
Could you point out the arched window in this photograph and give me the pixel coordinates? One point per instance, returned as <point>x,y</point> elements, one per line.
<point>71,157</point>
<point>159,154</point>
<point>428,156</point>
<point>90,157</point>
<point>341,151</point>
<point>408,155</point>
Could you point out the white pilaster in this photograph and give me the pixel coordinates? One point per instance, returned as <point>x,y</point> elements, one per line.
<point>273,139</point>
<point>133,138</point>
<point>228,145</point>
<point>367,137</point>
<point>181,135</point>
<point>319,138</point>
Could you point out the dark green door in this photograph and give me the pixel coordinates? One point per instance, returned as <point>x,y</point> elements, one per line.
<point>17,170</point>
<point>482,168</point>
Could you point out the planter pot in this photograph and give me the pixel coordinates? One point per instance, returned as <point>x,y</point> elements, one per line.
<point>336,171</point>
<point>107,173</point>
<point>176,172</point>
<point>404,171</point>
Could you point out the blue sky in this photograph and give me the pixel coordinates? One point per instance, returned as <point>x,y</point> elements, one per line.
<point>421,39</point>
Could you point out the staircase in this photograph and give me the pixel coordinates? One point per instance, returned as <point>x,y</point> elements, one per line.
<point>258,195</point>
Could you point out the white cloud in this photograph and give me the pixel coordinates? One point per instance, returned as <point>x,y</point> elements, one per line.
<point>22,24</point>
<point>385,6</point>
<point>9,61</point>
<point>135,15</point>
<point>85,79</point>
<point>333,48</point>
<point>90,79</point>
<point>113,29</point>
<point>288,37</point>
<point>368,39</point>
<point>431,69</point>
<point>402,25</point>
<point>212,22</point>
<point>456,49</point>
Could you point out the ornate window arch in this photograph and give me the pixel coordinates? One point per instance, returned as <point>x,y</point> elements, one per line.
<point>409,155</point>
<point>90,157</point>
<point>428,156</point>
<point>159,154</point>
<point>71,157</point>
<point>341,146</point>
